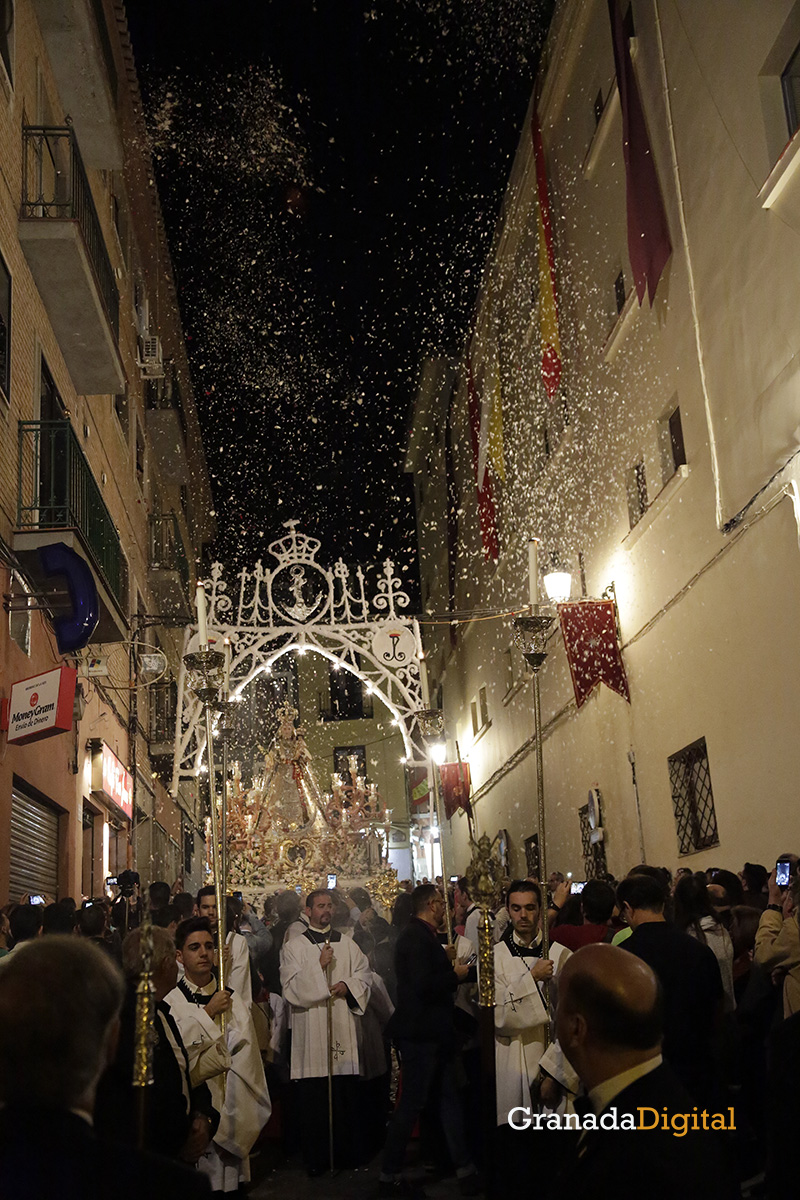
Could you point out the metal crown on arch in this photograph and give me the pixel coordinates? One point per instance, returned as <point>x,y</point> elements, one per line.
<point>299,605</point>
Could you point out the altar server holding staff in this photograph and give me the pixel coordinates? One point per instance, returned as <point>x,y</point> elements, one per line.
<point>304,979</point>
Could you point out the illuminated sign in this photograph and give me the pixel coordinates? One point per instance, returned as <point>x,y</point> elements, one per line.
<point>110,778</point>
<point>40,706</point>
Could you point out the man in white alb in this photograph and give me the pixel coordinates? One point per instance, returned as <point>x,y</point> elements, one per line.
<point>521,1010</point>
<point>238,973</point>
<point>318,969</point>
<point>239,1093</point>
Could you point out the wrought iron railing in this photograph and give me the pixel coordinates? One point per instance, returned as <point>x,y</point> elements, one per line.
<point>166,394</point>
<point>167,552</point>
<point>57,490</point>
<point>163,700</point>
<point>55,187</point>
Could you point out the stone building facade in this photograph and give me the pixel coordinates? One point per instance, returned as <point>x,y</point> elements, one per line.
<point>664,470</point>
<point>100,452</point>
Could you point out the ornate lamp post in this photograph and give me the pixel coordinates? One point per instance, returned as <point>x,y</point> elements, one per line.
<point>431,726</point>
<point>205,671</point>
<point>530,634</point>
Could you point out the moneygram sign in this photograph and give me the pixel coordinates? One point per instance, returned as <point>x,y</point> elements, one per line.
<point>41,706</point>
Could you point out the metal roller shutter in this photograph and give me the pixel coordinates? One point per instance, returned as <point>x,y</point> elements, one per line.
<point>34,848</point>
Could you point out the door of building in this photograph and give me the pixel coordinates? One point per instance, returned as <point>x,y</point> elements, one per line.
<point>87,876</point>
<point>34,847</point>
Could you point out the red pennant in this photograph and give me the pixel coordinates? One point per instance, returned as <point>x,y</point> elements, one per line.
<point>649,245</point>
<point>590,639</point>
<point>455,788</point>
<point>418,789</point>
<point>487,510</point>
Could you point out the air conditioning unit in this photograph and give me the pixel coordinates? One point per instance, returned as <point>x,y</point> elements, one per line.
<point>151,361</point>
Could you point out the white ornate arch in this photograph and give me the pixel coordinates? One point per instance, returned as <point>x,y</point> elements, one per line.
<point>299,606</point>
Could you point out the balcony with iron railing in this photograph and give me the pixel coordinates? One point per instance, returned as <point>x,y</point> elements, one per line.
<point>166,423</point>
<point>168,563</point>
<point>163,701</point>
<point>81,57</point>
<point>58,499</point>
<point>63,242</point>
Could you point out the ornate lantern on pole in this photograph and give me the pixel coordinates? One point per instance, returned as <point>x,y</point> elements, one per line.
<point>205,676</point>
<point>431,726</point>
<point>530,634</point>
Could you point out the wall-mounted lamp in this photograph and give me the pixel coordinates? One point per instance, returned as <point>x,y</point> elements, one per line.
<point>557,581</point>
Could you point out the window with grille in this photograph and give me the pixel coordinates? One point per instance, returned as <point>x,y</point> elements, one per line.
<point>532,855</point>
<point>692,798</point>
<point>790,86</point>
<point>594,853</point>
<point>671,444</point>
<point>140,456</point>
<point>479,712</point>
<point>7,37</point>
<point>636,489</point>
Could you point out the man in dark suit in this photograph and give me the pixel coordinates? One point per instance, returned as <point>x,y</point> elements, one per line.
<point>690,981</point>
<point>180,1119</point>
<point>424,1033</point>
<point>609,1025</point>
<point>60,999</point>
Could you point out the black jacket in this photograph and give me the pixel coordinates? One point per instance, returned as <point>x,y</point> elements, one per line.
<point>692,988</point>
<point>426,985</point>
<point>50,1153</point>
<point>632,1164</point>
<point>168,1121</point>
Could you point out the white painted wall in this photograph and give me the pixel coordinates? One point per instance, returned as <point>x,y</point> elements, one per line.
<point>708,618</point>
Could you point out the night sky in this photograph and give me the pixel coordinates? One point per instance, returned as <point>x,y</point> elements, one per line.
<point>331,174</point>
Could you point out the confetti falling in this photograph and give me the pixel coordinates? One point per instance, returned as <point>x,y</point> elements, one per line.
<point>331,175</point>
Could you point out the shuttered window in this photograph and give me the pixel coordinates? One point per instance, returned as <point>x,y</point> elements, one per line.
<point>34,847</point>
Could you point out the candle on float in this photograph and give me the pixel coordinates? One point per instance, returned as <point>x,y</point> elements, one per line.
<point>423,667</point>
<point>226,685</point>
<point>202,627</point>
<point>533,570</point>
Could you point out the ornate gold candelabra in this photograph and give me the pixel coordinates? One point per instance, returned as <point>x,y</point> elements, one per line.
<point>384,888</point>
<point>143,1039</point>
<point>483,876</point>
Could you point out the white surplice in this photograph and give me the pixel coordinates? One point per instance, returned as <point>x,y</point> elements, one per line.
<point>239,979</point>
<point>520,1018</point>
<point>306,989</point>
<point>239,1095</point>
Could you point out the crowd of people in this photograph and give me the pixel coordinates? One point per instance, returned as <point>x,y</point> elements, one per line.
<point>671,1005</point>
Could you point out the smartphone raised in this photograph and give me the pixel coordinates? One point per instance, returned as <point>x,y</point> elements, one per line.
<point>331,879</point>
<point>577,886</point>
<point>36,899</point>
<point>783,872</point>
